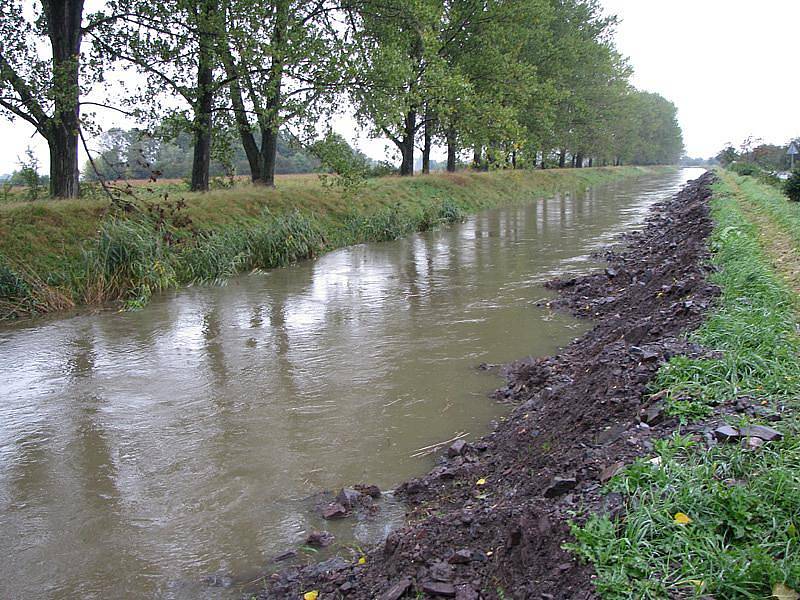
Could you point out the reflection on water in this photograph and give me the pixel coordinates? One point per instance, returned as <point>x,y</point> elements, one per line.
<point>140,452</point>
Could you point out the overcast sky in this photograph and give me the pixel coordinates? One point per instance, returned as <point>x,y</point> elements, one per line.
<point>729,65</point>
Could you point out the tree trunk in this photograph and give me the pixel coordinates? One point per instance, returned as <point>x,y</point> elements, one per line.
<point>490,157</point>
<point>240,115</point>
<point>406,145</point>
<point>543,164</point>
<point>270,121</point>
<point>513,159</point>
<point>579,160</point>
<point>477,153</point>
<point>452,149</point>
<point>427,139</point>
<point>562,158</point>
<point>573,161</point>
<point>204,104</point>
<point>63,143</point>
<point>64,24</point>
<point>591,161</point>
<point>269,152</point>
<point>201,160</point>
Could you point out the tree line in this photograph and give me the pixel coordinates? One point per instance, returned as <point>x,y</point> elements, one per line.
<point>141,154</point>
<point>510,83</point>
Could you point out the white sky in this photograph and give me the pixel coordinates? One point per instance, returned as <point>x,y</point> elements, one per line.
<point>729,65</point>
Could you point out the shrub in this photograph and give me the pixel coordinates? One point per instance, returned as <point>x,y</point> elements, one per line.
<point>792,186</point>
<point>746,168</point>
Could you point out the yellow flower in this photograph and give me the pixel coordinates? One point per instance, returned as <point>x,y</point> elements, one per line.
<point>481,481</point>
<point>682,518</point>
<point>312,595</point>
<point>362,560</point>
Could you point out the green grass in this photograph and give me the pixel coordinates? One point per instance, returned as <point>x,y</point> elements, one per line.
<point>743,534</point>
<point>744,505</point>
<point>772,202</point>
<point>84,252</point>
<point>754,325</point>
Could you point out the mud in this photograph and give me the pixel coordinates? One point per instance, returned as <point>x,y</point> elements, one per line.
<point>490,520</point>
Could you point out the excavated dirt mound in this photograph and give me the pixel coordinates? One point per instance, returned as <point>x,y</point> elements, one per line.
<point>489,521</point>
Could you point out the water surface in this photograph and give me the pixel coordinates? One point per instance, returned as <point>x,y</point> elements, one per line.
<point>140,452</point>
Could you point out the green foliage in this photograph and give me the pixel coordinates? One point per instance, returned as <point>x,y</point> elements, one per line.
<point>746,168</point>
<point>727,155</point>
<point>29,175</point>
<point>792,186</point>
<point>349,167</point>
<point>770,158</point>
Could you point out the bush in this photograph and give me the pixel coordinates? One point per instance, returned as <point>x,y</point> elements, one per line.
<point>746,168</point>
<point>792,186</point>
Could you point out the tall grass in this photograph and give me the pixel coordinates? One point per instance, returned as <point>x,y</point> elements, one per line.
<point>129,261</point>
<point>23,292</point>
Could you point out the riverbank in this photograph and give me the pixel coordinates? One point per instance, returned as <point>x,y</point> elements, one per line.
<point>55,255</point>
<point>627,469</point>
<point>713,510</point>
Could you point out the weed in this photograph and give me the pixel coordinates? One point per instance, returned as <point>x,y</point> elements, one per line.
<point>741,538</point>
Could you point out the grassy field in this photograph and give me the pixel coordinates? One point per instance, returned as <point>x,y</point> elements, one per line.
<point>724,522</point>
<point>58,254</point>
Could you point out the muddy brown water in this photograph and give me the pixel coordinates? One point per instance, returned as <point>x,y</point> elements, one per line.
<point>143,452</point>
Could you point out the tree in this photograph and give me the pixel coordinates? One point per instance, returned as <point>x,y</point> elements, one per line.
<point>283,60</point>
<point>399,70</point>
<point>486,49</point>
<point>45,92</point>
<point>173,45</point>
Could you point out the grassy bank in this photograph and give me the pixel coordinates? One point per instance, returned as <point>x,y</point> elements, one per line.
<point>720,522</point>
<point>55,255</point>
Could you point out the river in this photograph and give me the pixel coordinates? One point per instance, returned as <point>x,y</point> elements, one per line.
<point>143,451</point>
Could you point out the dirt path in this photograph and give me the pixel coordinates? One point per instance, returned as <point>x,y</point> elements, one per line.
<point>774,239</point>
<point>489,521</point>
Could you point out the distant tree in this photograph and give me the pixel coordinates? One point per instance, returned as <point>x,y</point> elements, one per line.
<point>727,155</point>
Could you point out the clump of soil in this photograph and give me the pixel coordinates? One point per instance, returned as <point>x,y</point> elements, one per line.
<point>489,521</point>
